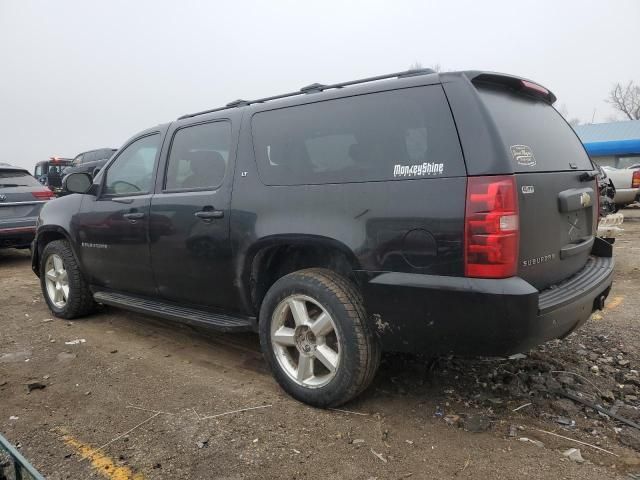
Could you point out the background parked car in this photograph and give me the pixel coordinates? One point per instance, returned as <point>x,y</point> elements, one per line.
<point>90,161</point>
<point>49,172</point>
<point>627,184</point>
<point>21,198</point>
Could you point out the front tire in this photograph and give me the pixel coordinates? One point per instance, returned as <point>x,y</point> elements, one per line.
<point>64,288</point>
<point>315,337</point>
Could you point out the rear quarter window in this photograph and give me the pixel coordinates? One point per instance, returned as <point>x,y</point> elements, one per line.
<point>535,135</point>
<point>394,135</point>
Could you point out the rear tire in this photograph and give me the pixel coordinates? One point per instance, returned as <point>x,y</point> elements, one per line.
<point>316,339</point>
<point>64,288</point>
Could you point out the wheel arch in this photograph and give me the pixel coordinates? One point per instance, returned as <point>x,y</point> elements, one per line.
<point>276,256</point>
<point>46,235</point>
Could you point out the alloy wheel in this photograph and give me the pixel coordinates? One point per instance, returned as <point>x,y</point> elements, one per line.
<point>305,341</point>
<point>56,281</point>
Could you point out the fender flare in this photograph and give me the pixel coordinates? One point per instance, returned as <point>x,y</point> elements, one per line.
<point>247,259</point>
<point>38,246</point>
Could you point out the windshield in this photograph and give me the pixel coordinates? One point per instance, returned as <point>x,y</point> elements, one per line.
<point>17,178</point>
<point>56,169</point>
<point>534,133</point>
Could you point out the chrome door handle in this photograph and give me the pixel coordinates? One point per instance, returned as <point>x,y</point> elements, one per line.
<point>209,214</point>
<point>133,216</point>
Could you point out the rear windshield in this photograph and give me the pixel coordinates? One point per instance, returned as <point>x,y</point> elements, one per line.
<point>535,134</point>
<point>394,135</point>
<point>17,178</point>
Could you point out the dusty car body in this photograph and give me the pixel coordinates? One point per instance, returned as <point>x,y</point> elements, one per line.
<point>418,211</point>
<point>21,198</point>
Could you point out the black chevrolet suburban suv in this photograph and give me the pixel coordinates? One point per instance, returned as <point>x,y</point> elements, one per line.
<point>90,161</point>
<point>420,211</point>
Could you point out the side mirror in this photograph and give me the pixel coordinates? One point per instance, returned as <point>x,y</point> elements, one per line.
<point>78,182</point>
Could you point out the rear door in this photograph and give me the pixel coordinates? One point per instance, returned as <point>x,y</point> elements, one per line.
<point>558,203</point>
<point>189,221</point>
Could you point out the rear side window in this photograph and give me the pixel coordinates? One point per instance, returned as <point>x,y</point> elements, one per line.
<point>17,178</point>
<point>103,154</point>
<point>198,156</point>
<point>535,134</point>
<point>396,135</point>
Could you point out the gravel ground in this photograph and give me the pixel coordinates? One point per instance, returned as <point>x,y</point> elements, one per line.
<point>142,389</point>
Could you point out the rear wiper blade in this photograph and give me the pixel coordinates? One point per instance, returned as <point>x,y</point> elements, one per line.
<point>588,176</point>
<point>11,185</point>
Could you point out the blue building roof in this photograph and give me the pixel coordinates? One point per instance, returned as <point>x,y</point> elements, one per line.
<point>615,138</point>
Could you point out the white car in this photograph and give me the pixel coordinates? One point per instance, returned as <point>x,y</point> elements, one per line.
<point>627,184</point>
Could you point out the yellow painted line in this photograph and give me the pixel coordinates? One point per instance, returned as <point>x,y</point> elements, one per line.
<point>615,301</point>
<point>596,317</point>
<point>104,465</point>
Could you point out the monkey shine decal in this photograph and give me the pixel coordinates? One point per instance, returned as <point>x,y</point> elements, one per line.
<point>426,168</point>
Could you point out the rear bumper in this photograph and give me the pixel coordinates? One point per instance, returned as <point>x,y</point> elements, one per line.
<point>625,196</point>
<point>17,237</point>
<point>467,316</point>
<point>17,232</point>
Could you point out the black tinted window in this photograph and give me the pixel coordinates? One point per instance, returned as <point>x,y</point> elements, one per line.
<point>17,178</point>
<point>198,156</point>
<point>536,136</point>
<point>132,171</point>
<point>396,135</point>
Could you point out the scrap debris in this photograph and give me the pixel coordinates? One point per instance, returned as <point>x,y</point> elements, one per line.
<point>379,455</point>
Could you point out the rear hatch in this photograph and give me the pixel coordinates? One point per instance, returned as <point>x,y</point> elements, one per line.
<point>557,200</point>
<point>21,195</point>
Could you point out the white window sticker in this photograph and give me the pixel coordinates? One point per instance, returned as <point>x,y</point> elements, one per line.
<point>523,155</point>
<point>419,170</point>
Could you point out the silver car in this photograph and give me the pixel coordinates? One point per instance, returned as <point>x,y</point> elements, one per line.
<point>21,198</point>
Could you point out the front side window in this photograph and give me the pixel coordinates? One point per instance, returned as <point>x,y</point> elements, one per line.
<point>38,171</point>
<point>198,157</point>
<point>394,135</point>
<point>132,172</point>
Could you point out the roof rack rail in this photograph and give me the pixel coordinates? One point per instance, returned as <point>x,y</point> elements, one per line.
<point>313,88</point>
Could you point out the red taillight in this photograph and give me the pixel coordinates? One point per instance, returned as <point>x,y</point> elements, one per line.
<point>492,232</point>
<point>598,201</point>
<point>43,194</point>
<point>535,87</point>
<point>635,179</point>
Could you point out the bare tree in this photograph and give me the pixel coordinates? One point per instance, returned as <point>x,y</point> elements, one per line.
<point>564,111</point>
<point>626,99</point>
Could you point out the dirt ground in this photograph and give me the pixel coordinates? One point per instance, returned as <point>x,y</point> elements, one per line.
<point>148,392</point>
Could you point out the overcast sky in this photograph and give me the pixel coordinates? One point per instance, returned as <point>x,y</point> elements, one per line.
<point>78,75</point>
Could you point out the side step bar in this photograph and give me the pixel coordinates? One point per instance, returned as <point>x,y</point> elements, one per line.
<point>217,321</point>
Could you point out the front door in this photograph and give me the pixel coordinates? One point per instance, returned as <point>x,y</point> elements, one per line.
<point>113,227</point>
<point>189,221</point>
